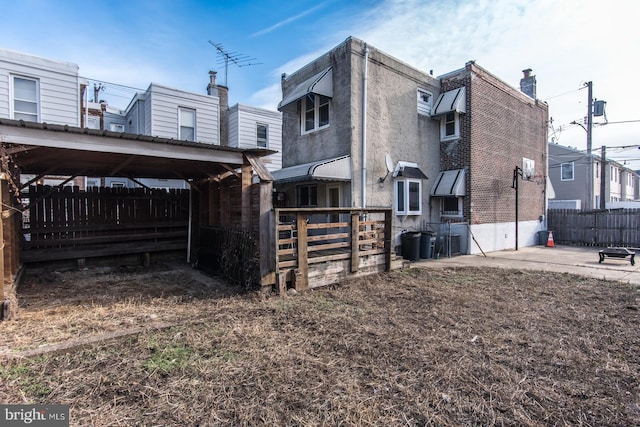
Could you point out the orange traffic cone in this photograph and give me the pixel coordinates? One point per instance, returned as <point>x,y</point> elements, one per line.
<point>550,243</point>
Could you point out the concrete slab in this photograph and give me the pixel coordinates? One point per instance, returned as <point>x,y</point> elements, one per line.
<point>581,260</point>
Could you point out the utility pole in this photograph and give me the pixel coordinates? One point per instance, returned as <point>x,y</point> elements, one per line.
<point>589,198</point>
<point>603,174</point>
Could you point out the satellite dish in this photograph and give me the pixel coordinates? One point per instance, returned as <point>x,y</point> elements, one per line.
<point>388,162</point>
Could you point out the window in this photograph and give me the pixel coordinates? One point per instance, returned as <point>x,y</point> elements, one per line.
<point>116,127</point>
<point>262,135</point>
<point>408,196</point>
<point>424,102</point>
<point>566,171</point>
<point>450,126</point>
<point>307,196</point>
<point>315,112</point>
<point>451,206</point>
<point>187,124</point>
<point>25,99</point>
<point>93,122</point>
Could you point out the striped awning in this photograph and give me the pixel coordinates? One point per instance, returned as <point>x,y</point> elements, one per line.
<point>321,84</point>
<point>449,184</point>
<point>453,100</point>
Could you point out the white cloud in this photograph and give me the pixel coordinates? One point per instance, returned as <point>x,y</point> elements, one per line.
<point>565,43</point>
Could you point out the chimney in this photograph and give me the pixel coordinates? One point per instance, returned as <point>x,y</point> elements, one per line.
<point>213,89</point>
<point>528,83</point>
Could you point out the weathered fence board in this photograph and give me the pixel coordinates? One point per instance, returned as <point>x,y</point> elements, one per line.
<point>595,228</point>
<point>314,248</point>
<point>67,223</point>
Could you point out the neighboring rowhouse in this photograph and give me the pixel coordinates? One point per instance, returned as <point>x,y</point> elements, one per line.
<point>45,91</point>
<point>568,172</point>
<point>363,129</point>
<point>51,134</point>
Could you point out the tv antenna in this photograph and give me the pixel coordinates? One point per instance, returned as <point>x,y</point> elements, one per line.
<point>236,58</point>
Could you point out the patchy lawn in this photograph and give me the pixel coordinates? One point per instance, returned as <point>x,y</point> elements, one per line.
<point>442,347</point>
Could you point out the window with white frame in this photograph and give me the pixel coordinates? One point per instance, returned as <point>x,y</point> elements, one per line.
<point>449,126</point>
<point>566,171</point>
<point>307,196</point>
<point>451,206</point>
<point>262,135</point>
<point>408,196</point>
<point>315,112</point>
<point>116,127</point>
<point>424,102</point>
<point>25,99</point>
<point>187,124</point>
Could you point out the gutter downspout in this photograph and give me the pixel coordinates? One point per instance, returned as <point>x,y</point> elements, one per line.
<point>190,223</point>
<point>363,185</point>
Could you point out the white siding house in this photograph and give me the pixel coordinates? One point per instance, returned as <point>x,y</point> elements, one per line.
<point>38,89</point>
<point>171,113</point>
<point>252,127</point>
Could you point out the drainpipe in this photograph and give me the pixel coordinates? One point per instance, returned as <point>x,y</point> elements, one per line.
<point>190,224</point>
<point>363,185</point>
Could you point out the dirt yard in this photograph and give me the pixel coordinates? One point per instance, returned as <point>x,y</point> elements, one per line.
<point>442,347</point>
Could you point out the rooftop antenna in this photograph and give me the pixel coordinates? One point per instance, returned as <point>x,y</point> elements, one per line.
<point>237,58</point>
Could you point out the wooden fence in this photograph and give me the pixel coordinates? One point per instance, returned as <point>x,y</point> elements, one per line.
<point>66,223</point>
<point>595,228</point>
<point>317,247</point>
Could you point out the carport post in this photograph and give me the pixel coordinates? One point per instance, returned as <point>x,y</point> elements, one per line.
<point>2,252</point>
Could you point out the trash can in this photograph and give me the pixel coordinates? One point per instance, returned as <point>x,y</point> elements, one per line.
<point>411,245</point>
<point>427,245</point>
<point>543,236</point>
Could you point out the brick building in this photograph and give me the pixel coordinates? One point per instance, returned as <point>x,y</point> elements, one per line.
<point>500,126</point>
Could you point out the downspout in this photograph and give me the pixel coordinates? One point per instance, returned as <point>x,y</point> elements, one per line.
<point>86,105</point>
<point>363,185</point>
<point>190,223</point>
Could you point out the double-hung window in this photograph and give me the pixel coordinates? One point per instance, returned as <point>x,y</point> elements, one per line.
<point>408,196</point>
<point>187,124</point>
<point>315,112</point>
<point>450,126</point>
<point>262,135</point>
<point>566,171</point>
<point>307,196</point>
<point>25,99</point>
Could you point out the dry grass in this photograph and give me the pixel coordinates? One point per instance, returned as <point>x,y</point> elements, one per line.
<point>416,347</point>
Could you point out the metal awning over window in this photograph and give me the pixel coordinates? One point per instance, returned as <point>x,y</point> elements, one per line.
<point>337,169</point>
<point>449,184</point>
<point>408,170</point>
<point>453,100</point>
<point>321,84</point>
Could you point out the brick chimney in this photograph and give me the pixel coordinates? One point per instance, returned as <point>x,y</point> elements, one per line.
<point>528,83</point>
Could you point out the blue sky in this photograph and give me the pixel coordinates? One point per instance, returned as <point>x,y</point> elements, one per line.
<point>136,42</point>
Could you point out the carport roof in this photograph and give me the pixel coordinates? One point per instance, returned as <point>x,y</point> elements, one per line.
<point>40,148</point>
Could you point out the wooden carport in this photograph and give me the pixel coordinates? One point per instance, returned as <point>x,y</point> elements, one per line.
<point>42,149</point>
